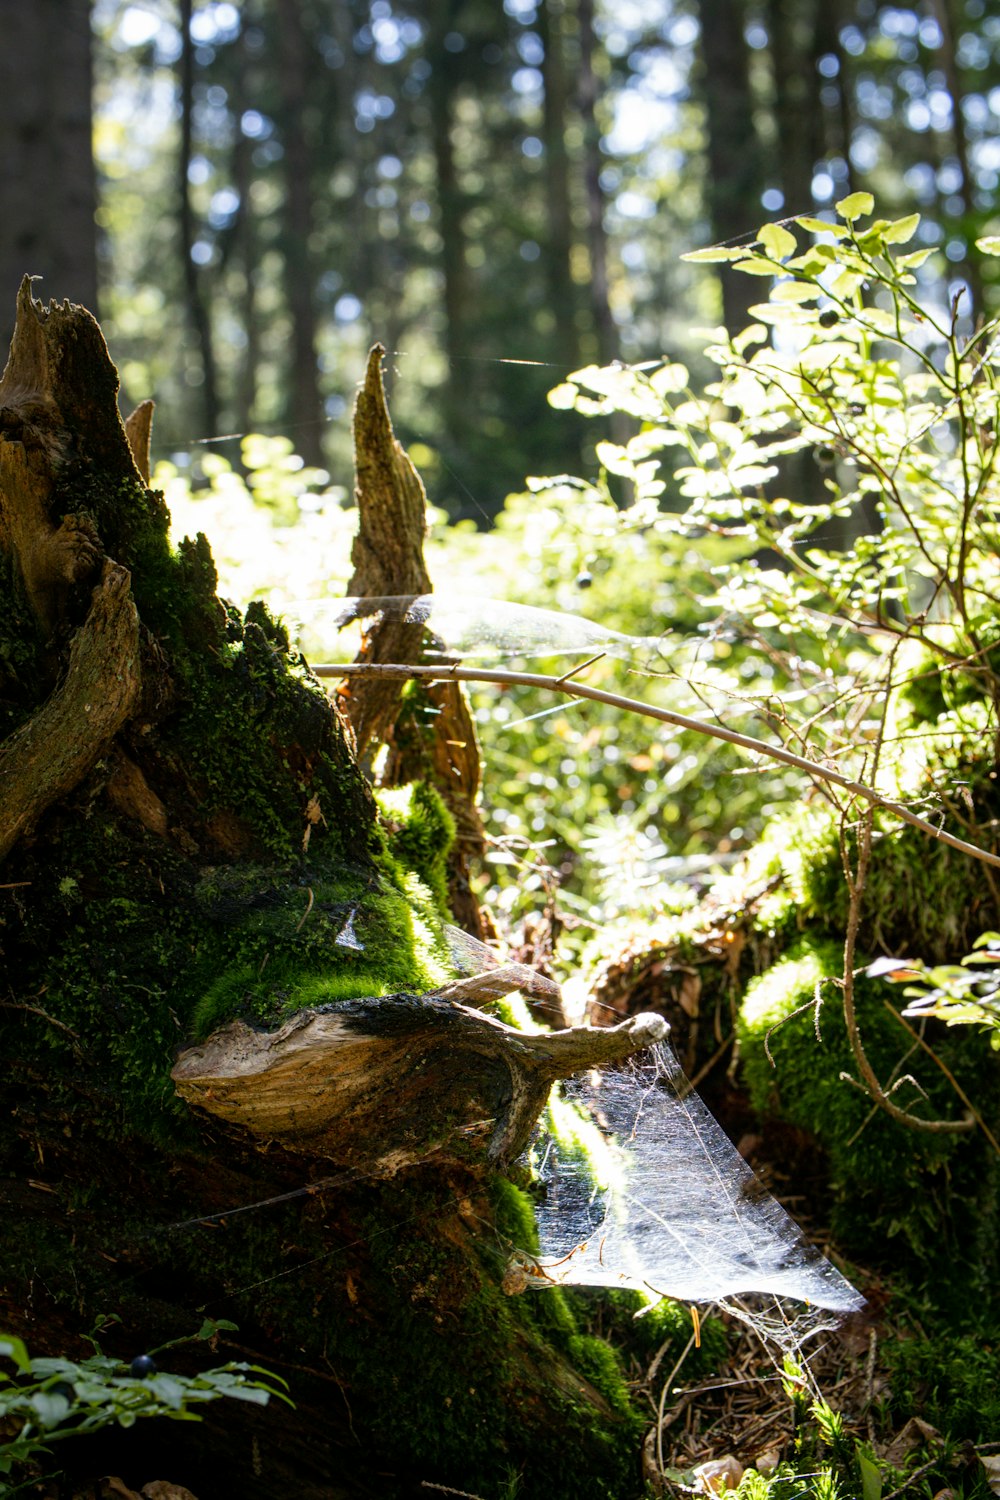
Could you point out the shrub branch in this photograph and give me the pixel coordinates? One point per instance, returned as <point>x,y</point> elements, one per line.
<point>572,689</point>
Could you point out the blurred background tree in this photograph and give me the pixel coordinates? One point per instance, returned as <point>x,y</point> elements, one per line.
<point>279,183</point>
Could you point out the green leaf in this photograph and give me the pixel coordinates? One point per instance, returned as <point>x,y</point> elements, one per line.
<point>916,257</point>
<point>815,260</point>
<point>713,253</point>
<point>614,458</point>
<point>820,226</point>
<point>902,230</point>
<point>12,1348</point>
<point>871,1478</point>
<point>777,241</point>
<point>989,244</point>
<point>757,267</point>
<point>563,397</point>
<point>50,1410</point>
<point>855,206</point>
<point>795,291</point>
<point>782,312</point>
<point>669,380</point>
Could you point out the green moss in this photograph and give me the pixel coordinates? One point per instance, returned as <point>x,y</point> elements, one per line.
<point>421,832</point>
<point>910,1189</point>
<point>514,1215</point>
<point>284,940</point>
<point>599,1363</point>
<point>953,1382</point>
<point>922,899</point>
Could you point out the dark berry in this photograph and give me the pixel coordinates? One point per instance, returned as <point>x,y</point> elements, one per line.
<point>64,1389</point>
<point>142,1366</point>
<point>829,317</point>
<point>584,580</point>
<point>826,457</point>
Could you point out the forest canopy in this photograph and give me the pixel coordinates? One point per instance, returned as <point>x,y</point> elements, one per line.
<point>280,184</point>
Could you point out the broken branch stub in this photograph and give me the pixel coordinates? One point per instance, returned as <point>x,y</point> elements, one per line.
<point>388,551</point>
<point>382,1084</point>
<point>388,558</point>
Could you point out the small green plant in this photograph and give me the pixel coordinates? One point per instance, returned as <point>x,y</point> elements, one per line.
<point>965,994</point>
<point>48,1399</point>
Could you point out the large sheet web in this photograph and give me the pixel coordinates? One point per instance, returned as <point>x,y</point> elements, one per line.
<point>639,1187</point>
<point>478,628</point>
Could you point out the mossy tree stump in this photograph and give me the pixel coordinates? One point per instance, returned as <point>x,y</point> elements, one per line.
<point>194,877</point>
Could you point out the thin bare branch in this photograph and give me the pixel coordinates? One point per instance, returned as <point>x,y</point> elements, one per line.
<point>810,768</point>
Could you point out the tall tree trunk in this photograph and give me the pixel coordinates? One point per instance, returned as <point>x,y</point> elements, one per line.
<point>798,114</point>
<point>47,187</point>
<point>608,347</point>
<point>305,404</point>
<point>248,250</point>
<point>442,16</point>
<point>944,15</point>
<point>559,247</point>
<point>198,313</point>
<point>735,176</point>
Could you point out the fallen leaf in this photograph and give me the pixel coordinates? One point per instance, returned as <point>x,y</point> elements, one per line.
<point>690,993</point>
<point>718,1475</point>
<point>991,1464</point>
<point>913,1435</point>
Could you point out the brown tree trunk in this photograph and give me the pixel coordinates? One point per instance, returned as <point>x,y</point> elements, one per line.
<point>559,249</point>
<point>798,116</point>
<point>47,187</point>
<point>943,13</point>
<point>305,406</point>
<point>736,178</point>
<point>597,237</point>
<point>199,316</point>
<point>450,202</point>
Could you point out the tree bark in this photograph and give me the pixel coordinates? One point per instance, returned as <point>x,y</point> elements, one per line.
<point>389,563</point>
<point>191,859</point>
<point>597,237</point>
<point>48,193</point>
<point>199,316</point>
<point>450,199</point>
<point>559,250</point>
<point>736,177</point>
<point>798,116</point>
<point>305,405</point>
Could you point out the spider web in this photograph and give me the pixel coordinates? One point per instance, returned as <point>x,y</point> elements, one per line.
<point>639,1187</point>
<point>478,628</point>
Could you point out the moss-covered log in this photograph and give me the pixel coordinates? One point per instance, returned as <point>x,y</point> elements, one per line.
<point>188,845</point>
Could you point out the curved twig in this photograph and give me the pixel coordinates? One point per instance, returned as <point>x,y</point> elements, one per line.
<point>665,716</point>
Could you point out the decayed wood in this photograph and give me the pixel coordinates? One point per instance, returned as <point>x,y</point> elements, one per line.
<point>389,562</point>
<point>68,581</point>
<point>477,990</point>
<point>388,551</point>
<point>382,1084</point>
<point>50,754</point>
<point>139,431</point>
